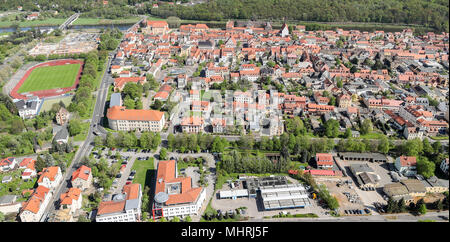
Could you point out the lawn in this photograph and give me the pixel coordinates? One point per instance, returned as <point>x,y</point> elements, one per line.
<point>372,135</point>
<point>82,136</point>
<point>439,137</point>
<point>47,105</point>
<point>144,171</point>
<point>17,185</point>
<point>97,21</point>
<point>50,77</point>
<point>33,23</point>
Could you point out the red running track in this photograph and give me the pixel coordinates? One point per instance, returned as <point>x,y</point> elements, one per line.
<point>50,92</point>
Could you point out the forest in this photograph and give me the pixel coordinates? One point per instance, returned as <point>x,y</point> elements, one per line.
<point>429,13</point>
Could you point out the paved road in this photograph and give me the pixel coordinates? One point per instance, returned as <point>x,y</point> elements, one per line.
<point>436,216</point>
<point>87,146</point>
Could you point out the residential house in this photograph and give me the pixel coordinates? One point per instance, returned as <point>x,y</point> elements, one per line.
<point>82,178</point>
<point>324,161</point>
<point>62,116</point>
<point>50,177</point>
<point>406,165</point>
<point>8,164</point>
<point>72,199</point>
<point>33,209</point>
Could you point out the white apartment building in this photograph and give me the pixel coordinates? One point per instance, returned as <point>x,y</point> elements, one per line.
<point>123,119</point>
<point>50,177</point>
<point>33,209</point>
<point>125,207</point>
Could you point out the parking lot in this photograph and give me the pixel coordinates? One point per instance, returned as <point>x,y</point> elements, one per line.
<point>128,157</point>
<point>369,197</point>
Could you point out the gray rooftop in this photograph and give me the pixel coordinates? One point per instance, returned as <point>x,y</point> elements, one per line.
<point>7,199</point>
<point>115,100</point>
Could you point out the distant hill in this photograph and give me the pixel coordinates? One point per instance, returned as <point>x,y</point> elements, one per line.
<point>429,13</point>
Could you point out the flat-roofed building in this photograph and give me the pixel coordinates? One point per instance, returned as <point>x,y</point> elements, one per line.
<point>353,156</point>
<point>284,196</point>
<point>415,187</point>
<point>233,194</point>
<point>397,191</point>
<point>433,184</point>
<point>123,119</point>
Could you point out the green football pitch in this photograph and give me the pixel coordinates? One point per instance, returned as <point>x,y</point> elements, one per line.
<point>50,77</point>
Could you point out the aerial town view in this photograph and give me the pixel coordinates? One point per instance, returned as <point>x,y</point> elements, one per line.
<point>224,111</point>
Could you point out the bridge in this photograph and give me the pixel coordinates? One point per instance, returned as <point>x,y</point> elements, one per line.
<point>69,21</point>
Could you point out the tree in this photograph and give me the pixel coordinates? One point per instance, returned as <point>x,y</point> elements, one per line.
<point>422,209</point>
<point>332,128</point>
<point>383,146</point>
<point>437,147</point>
<point>366,126</point>
<point>98,141</point>
<point>40,164</point>
<point>392,206</point>
<point>129,103</point>
<point>174,22</point>
<point>145,140</point>
<point>188,219</point>
<point>2,217</point>
<point>157,105</point>
<point>163,154</point>
<point>74,127</point>
<point>110,140</point>
<point>427,148</point>
<point>424,167</point>
<point>171,141</point>
<point>348,133</point>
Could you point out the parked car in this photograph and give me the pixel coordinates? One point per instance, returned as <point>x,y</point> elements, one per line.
<point>128,183</point>
<point>119,175</point>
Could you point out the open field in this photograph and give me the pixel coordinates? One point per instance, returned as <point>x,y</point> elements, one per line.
<point>144,171</point>
<point>96,21</point>
<point>50,77</point>
<point>33,23</point>
<point>47,105</point>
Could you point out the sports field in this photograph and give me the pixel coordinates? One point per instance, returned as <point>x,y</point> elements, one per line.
<point>50,77</point>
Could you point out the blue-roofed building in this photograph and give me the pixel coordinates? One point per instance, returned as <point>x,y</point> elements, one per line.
<point>116,100</point>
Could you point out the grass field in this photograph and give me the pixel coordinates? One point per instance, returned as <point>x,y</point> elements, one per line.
<point>144,171</point>
<point>47,106</point>
<point>97,21</point>
<point>50,77</point>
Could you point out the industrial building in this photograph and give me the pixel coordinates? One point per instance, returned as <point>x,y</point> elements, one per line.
<point>284,196</point>
<point>233,194</point>
<point>274,192</point>
<point>365,176</point>
<point>353,156</point>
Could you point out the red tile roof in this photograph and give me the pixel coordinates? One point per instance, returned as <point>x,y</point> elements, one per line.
<point>49,172</point>
<point>120,113</point>
<point>324,159</point>
<point>166,175</point>
<point>408,161</point>
<point>82,173</point>
<point>72,194</point>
